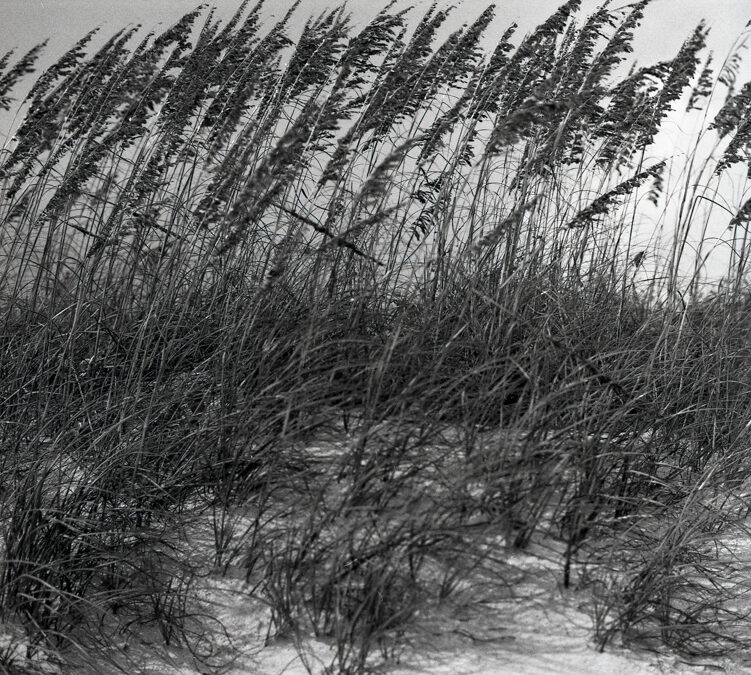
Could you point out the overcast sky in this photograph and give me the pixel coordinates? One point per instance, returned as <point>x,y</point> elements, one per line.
<point>26,22</point>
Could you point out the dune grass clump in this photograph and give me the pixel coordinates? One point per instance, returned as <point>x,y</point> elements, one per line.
<point>466,273</point>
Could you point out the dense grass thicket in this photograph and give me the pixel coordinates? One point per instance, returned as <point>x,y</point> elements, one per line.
<point>385,295</point>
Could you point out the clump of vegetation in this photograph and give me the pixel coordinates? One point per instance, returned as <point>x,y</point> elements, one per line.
<point>221,247</point>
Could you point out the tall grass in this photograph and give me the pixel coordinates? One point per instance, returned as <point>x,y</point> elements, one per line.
<point>222,248</point>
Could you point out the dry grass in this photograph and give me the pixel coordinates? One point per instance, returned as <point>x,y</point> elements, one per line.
<point>218,246</point>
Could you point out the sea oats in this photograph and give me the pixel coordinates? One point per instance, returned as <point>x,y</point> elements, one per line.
<point>600,206</point>
<point>23,66</point>
<point>380,297</point>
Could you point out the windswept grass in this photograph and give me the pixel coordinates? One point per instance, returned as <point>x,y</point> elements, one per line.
<point>223,250</point>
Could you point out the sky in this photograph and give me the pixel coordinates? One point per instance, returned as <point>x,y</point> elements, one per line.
<point>24,23</point>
